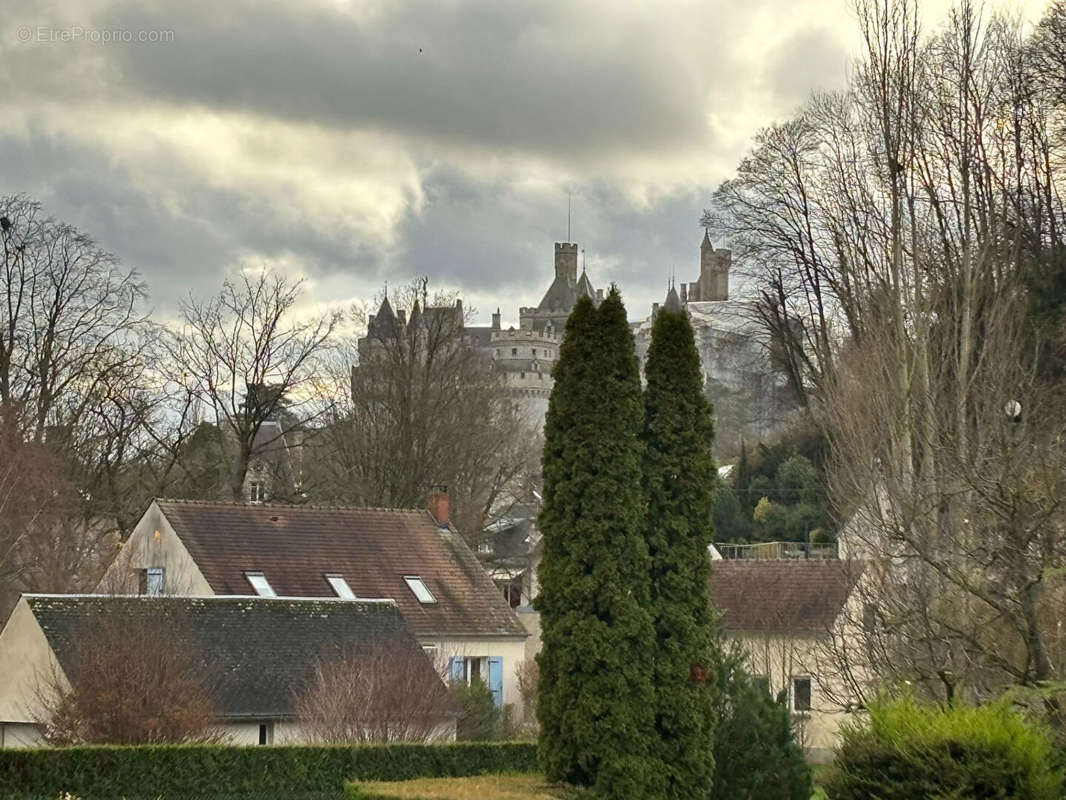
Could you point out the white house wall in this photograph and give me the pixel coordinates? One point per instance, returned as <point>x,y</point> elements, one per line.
<point>25,660</point>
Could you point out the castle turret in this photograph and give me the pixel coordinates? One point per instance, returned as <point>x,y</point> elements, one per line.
<point>566,262</point>
<point>672,302</point>
<point>714,273</point>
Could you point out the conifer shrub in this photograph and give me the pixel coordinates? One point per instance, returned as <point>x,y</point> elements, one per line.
<point>756,756</point>
<point>906,749</point>
<point>479,718</point>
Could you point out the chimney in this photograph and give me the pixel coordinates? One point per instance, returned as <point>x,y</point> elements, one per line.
<point>439,505</point>
<point>496,320</point>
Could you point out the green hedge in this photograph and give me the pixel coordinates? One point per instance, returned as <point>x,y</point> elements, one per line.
<point>907,750</point>
<point>171,772</point>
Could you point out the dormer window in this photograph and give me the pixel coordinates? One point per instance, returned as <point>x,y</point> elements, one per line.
<point>257,492</point>
<point>341,587</point>
<point>260,584</point>
<point>420,590</point>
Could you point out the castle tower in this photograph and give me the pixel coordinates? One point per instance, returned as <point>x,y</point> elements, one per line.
<point>714,272</point>
<point>566,262</point>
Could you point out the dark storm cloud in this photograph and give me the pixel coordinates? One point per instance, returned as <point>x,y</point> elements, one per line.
<point>180,244</point>
<point>510,75</point>
<point>463,122</point>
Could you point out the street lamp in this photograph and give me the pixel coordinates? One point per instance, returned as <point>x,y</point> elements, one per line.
<point>1013,410</point>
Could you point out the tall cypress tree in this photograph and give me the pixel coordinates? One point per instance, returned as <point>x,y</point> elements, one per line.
<point>679,476</point>
<point>596,695</point>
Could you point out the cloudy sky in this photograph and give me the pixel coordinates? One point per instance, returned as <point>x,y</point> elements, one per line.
<point>359,142</point>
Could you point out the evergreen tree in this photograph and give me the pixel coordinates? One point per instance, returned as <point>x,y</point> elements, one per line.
<point>679,479</point>
<point>755,751</point>
<point>596,696</point>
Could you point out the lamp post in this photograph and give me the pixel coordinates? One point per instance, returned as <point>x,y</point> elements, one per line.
<point>1013,410</point>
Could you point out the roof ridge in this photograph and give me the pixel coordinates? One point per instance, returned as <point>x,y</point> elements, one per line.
<point>214,597</point>
<point>289,506</point>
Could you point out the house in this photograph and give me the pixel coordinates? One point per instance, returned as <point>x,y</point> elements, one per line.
<point>412,556</point>
<point>262,651</point>
<point>511,549</point>
<point>788,615</point>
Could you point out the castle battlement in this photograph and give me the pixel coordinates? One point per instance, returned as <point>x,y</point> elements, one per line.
<point>525,335</point>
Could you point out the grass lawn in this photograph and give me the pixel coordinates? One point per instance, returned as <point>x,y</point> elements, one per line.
<point>481,787</point>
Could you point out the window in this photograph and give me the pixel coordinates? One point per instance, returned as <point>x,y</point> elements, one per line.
<point>514,351</point>
<point>869,617</point>
<point>266,733</point>
<point>534,352</point>
<point>260,584</point>
<point>512,592</point>
<point>488,670</point>
<point>421,591</point>
<point>484,547</point>
<point>762,682</point>
<point>257,492</point>
<point>341,587</point>
<point>801,694</point>
<point>153,581</point>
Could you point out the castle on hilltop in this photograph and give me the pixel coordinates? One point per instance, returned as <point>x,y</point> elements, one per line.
<point>525,355</point>
<point>750,397</point>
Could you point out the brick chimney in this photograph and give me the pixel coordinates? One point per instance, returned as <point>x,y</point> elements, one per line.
<point>439,505</point>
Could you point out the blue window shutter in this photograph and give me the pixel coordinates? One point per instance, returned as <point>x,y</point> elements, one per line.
<point>496,679</point>
<point>457,668</point>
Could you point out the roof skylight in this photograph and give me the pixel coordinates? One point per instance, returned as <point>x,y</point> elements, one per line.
<point>341,587</point>
<point>421,591</point>
<point>260,584</point>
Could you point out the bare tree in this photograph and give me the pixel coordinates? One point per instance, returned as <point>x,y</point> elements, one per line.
<point>130,682</point>
<point>247,357</point>
<point>67,317</point>
<point>389,692</point>
<point>898,226</point>
<point>423,408</point>
<point>33,499</point>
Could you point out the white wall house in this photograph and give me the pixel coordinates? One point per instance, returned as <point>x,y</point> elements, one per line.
<point>413,557</point>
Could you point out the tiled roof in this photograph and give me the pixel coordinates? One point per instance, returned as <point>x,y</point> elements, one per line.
<point>262,650</point>
<point>295,547</point>
<point>786,596</point>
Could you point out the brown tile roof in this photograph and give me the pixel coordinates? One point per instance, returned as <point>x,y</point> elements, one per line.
<point>295,547</point>
<point>803,596</point>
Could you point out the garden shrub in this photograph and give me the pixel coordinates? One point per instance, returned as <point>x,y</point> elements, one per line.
<point>479,718</point>
<point>756,756</point>
<point>905,749</point>
<point>170,772</point>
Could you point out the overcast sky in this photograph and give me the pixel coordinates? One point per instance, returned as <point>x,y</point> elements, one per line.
<point>359,142</point>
